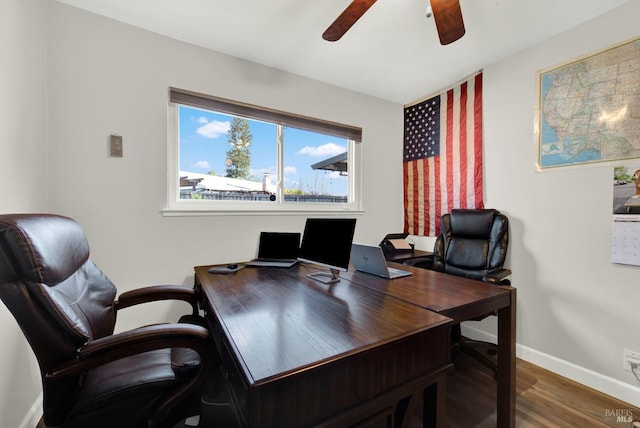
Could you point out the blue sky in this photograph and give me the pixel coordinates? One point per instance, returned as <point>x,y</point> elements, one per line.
<point>204,143</point>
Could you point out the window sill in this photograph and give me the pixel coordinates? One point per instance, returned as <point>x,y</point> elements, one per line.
<point>306,211</point>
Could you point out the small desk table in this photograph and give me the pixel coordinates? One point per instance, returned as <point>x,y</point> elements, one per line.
<point>402,256</point>
<point>461,299</point>
<point>299,353</point>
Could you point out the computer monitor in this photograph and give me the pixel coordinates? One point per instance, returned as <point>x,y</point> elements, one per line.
<point>327,242</point>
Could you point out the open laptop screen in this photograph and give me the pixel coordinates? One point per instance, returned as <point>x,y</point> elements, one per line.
<point>278,245</point>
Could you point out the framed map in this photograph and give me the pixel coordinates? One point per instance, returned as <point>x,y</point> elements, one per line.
<point>589,109</point>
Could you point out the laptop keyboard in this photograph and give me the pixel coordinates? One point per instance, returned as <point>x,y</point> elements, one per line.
<point>272,262</point>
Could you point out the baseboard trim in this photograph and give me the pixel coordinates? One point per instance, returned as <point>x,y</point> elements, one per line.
<point>605,384</point>
<point>34,414</point>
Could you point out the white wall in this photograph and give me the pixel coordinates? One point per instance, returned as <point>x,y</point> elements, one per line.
<point>577,312</point>
<point>107,77</point>
<point>22,176</point>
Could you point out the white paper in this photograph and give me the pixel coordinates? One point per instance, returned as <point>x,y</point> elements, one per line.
<point>625,239</point>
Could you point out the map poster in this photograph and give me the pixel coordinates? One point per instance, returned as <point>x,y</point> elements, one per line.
<point>625,233</point>
<point>589,109</point>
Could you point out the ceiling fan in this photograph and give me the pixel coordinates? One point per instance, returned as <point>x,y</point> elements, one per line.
<point>446,13</point>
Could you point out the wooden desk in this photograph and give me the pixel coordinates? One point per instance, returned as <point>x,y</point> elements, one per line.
<point>461,299</point>
<point>300,353</point>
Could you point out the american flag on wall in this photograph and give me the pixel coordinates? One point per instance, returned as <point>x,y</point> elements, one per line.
<point>442,156</point>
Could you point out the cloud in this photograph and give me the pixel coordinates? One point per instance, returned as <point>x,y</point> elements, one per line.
<point>290,170</point>
<point>202,164</point>
<point>325,150</point>
<point>212,129</point>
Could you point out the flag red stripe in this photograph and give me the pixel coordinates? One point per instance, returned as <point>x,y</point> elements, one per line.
<point>449,151</point>
<point>405,186</point>
<point>462,167</point>
<point>416,196</point>
<point>477,143</point>
<point>434,211</point>
<point>428,196</point>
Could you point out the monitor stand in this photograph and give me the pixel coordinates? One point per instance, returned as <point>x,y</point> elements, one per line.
<point>330,277</point>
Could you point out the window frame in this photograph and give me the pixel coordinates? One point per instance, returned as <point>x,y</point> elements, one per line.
<point>183,207</point>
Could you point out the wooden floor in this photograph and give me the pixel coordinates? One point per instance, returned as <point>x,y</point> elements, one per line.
<point>543,399</point>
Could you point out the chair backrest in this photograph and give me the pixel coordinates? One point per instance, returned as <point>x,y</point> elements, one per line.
<point>472,242</point>
<point>60,299</point>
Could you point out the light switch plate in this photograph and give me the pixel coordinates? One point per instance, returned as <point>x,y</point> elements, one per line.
<point>115,145</point>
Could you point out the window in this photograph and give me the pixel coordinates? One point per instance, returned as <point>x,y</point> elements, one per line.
<point>228,156</point>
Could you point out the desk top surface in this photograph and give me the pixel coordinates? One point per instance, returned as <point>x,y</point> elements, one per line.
<point>267,313</point>
<point>456,297</point>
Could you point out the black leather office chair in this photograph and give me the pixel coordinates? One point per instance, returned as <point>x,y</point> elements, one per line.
<point>66,308</point>
<point>472,243</point>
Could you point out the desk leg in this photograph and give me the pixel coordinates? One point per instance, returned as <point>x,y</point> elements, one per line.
<point>424,408</point>
<point>506,405</point>
<point>434,405</point>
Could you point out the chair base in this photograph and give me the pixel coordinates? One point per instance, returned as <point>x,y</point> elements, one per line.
<point>466,346</point>
<point>215,408</point>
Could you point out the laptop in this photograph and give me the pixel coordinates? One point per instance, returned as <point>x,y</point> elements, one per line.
<point>370,259</point>
<point>277,249</point>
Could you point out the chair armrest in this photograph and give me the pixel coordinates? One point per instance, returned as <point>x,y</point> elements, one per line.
<point>158,292</point>
<point>425,262</point>
<point>499,277</point>
<point>139,340</point>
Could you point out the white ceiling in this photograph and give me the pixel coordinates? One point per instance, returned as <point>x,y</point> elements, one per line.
<point>392,52</point>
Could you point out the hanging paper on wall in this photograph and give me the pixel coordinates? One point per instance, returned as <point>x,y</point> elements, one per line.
<point>625,236</point>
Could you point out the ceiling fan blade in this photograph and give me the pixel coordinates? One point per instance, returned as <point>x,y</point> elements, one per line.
<point>448,17</point>
<point>347,18</point>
